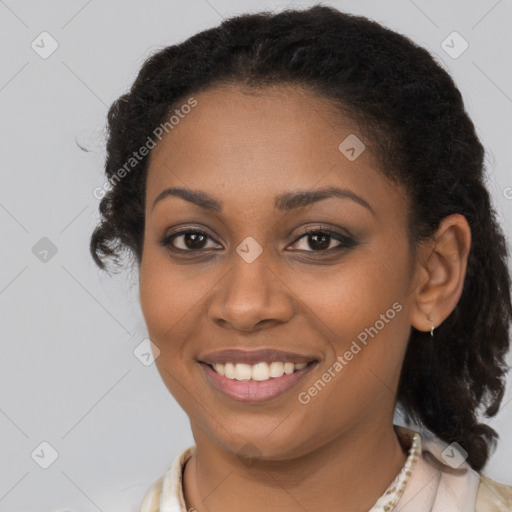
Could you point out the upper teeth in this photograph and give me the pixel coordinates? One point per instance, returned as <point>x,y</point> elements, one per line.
<point>259,371</point>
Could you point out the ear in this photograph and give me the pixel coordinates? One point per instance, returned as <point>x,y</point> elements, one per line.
<point>440,271</point>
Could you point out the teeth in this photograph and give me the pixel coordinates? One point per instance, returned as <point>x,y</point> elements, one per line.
<point>219,368</point>
<point>229,370</point>
<point>289,368</point>
<point>276,369</point>
<point>243,371</point>
<point>259,372</point>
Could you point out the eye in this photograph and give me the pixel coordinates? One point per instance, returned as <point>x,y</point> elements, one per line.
<point>189,240</point>
<point>313,240</point>
<point>321,240</point>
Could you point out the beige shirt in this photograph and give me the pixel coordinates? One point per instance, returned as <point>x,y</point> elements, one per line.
<point>434,478</point>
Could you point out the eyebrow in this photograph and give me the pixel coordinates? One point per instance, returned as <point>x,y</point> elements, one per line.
<point>284,202</point>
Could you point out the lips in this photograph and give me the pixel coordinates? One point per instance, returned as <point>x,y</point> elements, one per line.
<point>264,355</point>
<point>250,391</point>
<point>260,388</point>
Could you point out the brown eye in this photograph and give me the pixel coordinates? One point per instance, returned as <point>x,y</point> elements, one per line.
<point>322,241</point>
<point>319,241</point>
<point>187,241</point>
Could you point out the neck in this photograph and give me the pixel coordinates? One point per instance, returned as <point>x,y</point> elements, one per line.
<point>352,471</point>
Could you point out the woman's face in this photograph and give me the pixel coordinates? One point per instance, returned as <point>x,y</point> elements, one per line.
<point>247,276</point>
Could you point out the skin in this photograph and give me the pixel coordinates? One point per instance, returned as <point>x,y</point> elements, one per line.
<point>244,148</point>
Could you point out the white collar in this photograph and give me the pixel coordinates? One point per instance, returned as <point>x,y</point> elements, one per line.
<point>424,484</point>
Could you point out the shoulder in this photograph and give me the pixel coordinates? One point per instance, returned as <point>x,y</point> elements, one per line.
<point>167,492</point>
<point>493,496</point>
<point>151,501</point>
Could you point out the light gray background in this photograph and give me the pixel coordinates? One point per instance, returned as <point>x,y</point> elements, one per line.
<point>68,375</point>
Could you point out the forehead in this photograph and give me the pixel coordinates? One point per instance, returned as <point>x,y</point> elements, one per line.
<point>238,142</point>
<point>232,122</point>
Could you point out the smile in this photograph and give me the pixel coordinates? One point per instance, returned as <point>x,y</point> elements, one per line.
<point>258,372</point>
<point>256,383</point>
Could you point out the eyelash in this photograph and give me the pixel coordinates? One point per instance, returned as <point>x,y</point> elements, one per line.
<point>345,241</point>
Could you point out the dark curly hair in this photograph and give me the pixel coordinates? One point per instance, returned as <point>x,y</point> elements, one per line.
<point>414,117</point>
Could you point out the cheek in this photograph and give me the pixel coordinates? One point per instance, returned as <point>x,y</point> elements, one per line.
<point>163,303</point>
<point>158,299</point>
<point>164,306</point>
<point>173,302</point>
<point>167,294</point>
<point>356,295</point>
<point>362,310</point>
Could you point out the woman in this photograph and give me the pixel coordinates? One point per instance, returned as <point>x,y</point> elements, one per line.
<point>303,195</point>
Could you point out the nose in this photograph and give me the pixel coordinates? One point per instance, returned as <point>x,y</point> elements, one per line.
<point>251,296</point>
